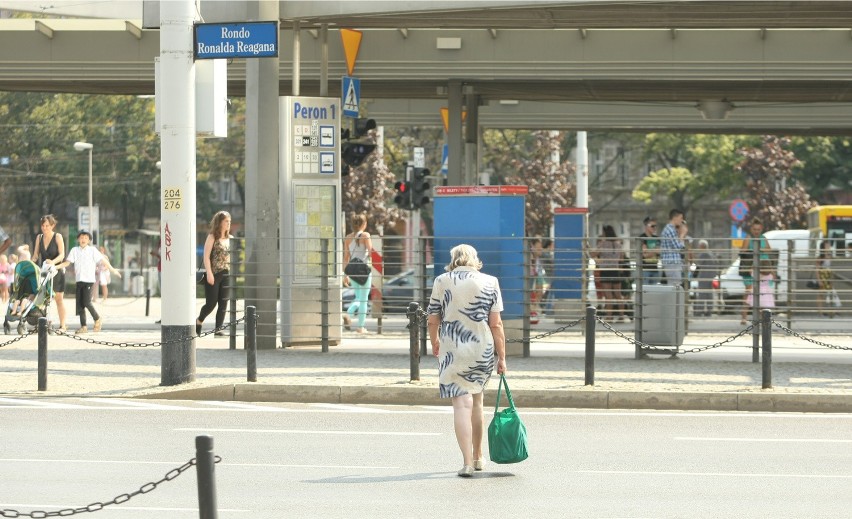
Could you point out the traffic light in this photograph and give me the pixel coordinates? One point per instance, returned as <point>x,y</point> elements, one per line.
<point>420,187</point>
<point>353,154</point>
<point>403,194</point>
<point>362,126</point>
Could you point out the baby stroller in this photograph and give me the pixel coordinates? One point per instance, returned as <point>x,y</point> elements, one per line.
<point>29,280</point>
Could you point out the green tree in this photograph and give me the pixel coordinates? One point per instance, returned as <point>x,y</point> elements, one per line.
<point>367,190</point>
<point>826,165</point>
<point>773,194</point>
<point>691,168</point>
<point>520,157</point>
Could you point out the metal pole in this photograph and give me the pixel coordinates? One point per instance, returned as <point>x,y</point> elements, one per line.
<point>591,317</point>
<point>206,471</point>
<point>147,302</point>
<point>91,215</point>
<point>766,331</point>
<point>413,330</point>
<point>42,353</point>
<point>788,275</point>
<point>324,60</point>
<point>424,295</point>
<point>232,292</point>
<point>638,314</point>
<point>324,290</point>
<point>525,337</point>
<point>755,308</point>
<point>251,344</point>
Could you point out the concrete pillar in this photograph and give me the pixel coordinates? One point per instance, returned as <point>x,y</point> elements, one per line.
<point>262,173</point>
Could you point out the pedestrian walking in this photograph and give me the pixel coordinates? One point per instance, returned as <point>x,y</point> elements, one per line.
<point>217,265</point>
<point>747,259</point>
<point>466,332</point>
<point>357,247</point>
<point>707,267</point>
<point>50,250</point>
<point>826,296</point>
<point>85,258</point>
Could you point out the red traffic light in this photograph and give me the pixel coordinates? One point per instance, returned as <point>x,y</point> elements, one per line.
<point>401,186</point>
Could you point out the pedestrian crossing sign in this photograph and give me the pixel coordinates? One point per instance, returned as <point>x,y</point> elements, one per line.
<point>351,96</point>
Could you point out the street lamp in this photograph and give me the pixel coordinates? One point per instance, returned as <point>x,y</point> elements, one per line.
<point>83,146</point>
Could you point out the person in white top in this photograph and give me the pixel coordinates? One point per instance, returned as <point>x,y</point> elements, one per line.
<point>85,260</point>
<point>358,245</point>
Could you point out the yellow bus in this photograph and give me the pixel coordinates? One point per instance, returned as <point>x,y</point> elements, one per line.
<point>830,222</point>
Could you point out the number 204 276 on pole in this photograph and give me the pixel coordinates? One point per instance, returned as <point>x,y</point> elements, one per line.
<point>172,199</point>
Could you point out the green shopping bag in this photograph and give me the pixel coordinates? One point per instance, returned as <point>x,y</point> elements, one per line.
<point>507,436</point>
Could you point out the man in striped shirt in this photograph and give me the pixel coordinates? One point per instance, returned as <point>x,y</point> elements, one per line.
<point>672,247</point>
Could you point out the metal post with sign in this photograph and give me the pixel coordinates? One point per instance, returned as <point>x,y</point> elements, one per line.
<point>310,211</point>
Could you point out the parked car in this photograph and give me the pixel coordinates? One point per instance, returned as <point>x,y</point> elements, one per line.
<point>731,286</point>
<point>396,292</point>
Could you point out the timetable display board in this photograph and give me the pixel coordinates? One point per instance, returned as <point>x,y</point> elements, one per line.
<point>313,220</point>
<point>310,205</point>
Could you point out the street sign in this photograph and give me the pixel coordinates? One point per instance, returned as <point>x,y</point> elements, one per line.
<point>351,96</point>
<point>86,223</point>
<point>351,43</point>
<point>419,157</point>
<point>445,160</point>
<point>738,210</point>
<point>236,40</point>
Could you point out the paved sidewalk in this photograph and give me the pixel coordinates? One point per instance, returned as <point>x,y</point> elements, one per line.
<point>376,369</point>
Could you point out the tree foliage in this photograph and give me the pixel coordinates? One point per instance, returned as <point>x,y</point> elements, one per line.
<point>520,157</point>
<point>691,168</point>
<point>368,190</point>
<point>773,194</point>
<point>46,174</point>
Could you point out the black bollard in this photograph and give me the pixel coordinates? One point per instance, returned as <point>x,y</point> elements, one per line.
<point>42,353</point>
<point>413,331</point>
<point>147,302</point>
<point>766,332</point>
<point>205,468</point>
<point>591,316</point>
<point>251,344</point>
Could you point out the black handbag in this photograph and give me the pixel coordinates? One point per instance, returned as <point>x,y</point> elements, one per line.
<point>357,270</point>
<point>813,284</point>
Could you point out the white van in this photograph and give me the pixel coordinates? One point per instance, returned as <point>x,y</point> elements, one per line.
<point>731,286</point>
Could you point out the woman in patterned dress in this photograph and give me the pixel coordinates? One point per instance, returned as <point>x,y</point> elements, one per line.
<point>467,336</point>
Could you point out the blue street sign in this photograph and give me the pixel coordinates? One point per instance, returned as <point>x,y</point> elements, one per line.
<point>351,96</point>
<point>236,40</point>
<point>445,159</point>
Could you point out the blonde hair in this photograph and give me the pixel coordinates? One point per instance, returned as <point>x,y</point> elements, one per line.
<point>357,221</point>
<point>463,256</point>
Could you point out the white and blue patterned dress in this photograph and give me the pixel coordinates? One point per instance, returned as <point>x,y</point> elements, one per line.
<point>463,299</point>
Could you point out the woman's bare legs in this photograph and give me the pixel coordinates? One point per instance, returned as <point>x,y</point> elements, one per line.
<point>463,422</point>
<point>59,297</point>
<point>477,420</point>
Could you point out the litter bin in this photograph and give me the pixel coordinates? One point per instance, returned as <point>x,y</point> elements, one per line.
<point>663,316</point>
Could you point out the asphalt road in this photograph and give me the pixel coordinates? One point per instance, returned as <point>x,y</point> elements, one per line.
<point>328,461</point>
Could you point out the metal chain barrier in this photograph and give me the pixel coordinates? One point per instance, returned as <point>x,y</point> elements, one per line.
<point>665,349</point>
<point>16,339</point>
<point>96,506</point>
<point>544,335</point>
<point>143,344</point>
<point>421,315</point>
<point>788,331</point>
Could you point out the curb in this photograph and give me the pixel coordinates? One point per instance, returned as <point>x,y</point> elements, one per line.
<point>584,399</point>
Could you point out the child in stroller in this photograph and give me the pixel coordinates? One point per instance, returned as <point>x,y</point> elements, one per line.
<point>31,294</point>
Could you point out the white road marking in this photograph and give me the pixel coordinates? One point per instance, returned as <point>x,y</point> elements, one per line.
<point>351,408</point>
<point>802,440</point>
<point>137,404</point>
<point>714,474</point>
<point>30,403</point>
<point>298,431</point>
<point>242,406</point>
<point>118,508</point>
<point>221,464</point>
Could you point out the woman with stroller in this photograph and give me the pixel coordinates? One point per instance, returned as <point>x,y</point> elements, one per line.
<point>50,250</point>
